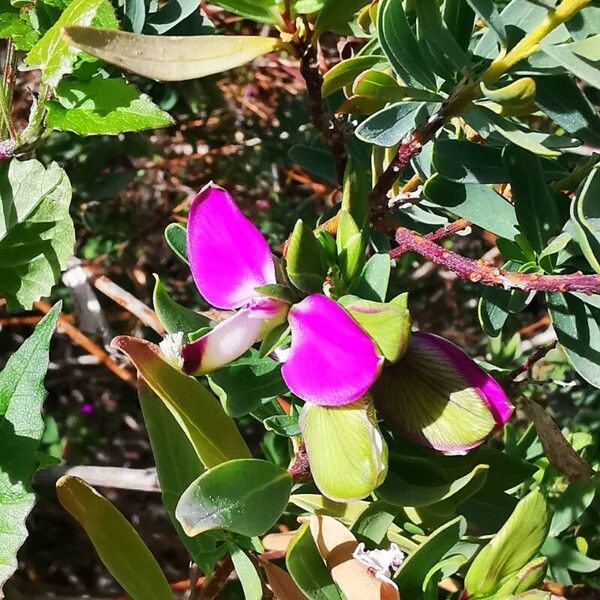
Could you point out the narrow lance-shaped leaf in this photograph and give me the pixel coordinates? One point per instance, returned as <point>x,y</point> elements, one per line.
<point>170,58</point>
<point>213,434</point>
<point>21,396</point>
<point>118,544</point>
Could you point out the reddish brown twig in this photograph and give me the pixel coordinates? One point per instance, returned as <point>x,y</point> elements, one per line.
<point>530,361</point>
<point>447,230</point>
<point>486,273</point>
<point>88,345</point>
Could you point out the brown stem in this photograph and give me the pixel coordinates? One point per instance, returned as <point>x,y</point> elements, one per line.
<point>531,360</point>
<point>447,230</point>
<point>214,586</point>
<point>327,126</point>
<point>486,273</point>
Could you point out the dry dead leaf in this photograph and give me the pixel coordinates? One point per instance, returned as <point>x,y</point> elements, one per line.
<point>281,583</point>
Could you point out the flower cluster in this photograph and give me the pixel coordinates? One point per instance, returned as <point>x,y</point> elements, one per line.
<point>346,356</point>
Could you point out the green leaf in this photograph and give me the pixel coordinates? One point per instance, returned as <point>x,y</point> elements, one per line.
<point>346,451</point>
<point>577,326</point>
<point>372,283</point>
<point>459,18</point>
<point>172,315</point>
<point>571,504</point>
<point>263,11</point>
<point>467,162</point>
<point>307,569</point>
<point>246,384</point>
<point>119,546</point>
<point>477,203</point>
<point>175,236</point>
<point>585,216</point>
<point>581,58</point>
<point>246,572</point>
<point>346,71</point>
<point>564,102</point>
<point>384,88</point>
<point>53,54</point>
<point>103,106</point>
<point>317,161</point>
<point>212,433</point>
<point>21,427</point>
<point>486,9</point>
<point>415,569</point>
<point>350,246</point>
<point>244,496</point>
<point>36,232</point>
<point>400,45</point>
<point>437,35</point>
<point>516,544</point>
<point>445,568</point>
<point>177,465</point>
<point>170,58</point>
<point>534,204</point>
<point>337,17</point>
<point>563,556</point>
<point>14,26</point>
<point>182,13</point>
<point>304,262</point>
<point>390,126</point>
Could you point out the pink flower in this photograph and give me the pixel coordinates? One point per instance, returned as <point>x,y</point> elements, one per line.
<point>332,361</point>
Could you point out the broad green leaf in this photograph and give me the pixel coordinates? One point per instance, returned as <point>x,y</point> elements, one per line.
<point>534,204</point>
<point>517,543</point>
<point>263,11</point>
<point>581,58</point>
<point>372,283</point>
<point>387,324</point>
<point>308,6</point>
<point>21,427</point>
<point>317,161</point>
<point>585,23</point>
<point>399,491</point>
<point>346,451</point>
<point>53,54</point>
<point>571,504</point>
<point>445,568</point>
<point>467,162</point>
<point>577,326</point>
<point>346,71</point>
<point>563,556</point>
<point>477,203</point>
<point>564,102</point>
<point>390,125</point>
<point>245,384</point>
<point>459,18</point>
<point>306,567</point>
<point>175,15</point>
<point>177,465</point>
<point>118,544</point>
<point>36,232</point>
<point>246,572</point>
<point>486,9</point>
<point>212,433</point>
<point>170,58</point>
<point>374,523</point>
<point>437,35</point>
<point>400,45</point>
<point>384,88</point>
<point>135,12</point>
<point>338,17</point>
<point>103,106</point>
<point>304,262</point>
<point>174,316</point>
<point>244,496</point>
<point>175,236</point>
<point>415,569</point>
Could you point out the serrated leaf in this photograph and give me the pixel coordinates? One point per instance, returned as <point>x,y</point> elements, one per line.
<point>52,54</point>
<point>103,106</point>
<point>170,58</point>
<point>21,427</point>
<point>243,496</point>
<point>400,45</point>
<point>37,234</point>
<point>118,544</point>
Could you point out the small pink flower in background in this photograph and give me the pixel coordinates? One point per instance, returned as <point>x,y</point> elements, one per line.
<point>263,204</point>
<point>332,361</point>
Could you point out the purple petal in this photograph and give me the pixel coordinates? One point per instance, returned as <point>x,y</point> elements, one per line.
<point>228,255</point>
<point>437,396</point>
<point>332,361</point>
<point>231,338</point>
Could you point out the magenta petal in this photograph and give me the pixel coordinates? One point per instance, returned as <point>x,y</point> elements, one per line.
<point>332,361</point>
<point>228,255</point>
<point>485,384</point>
